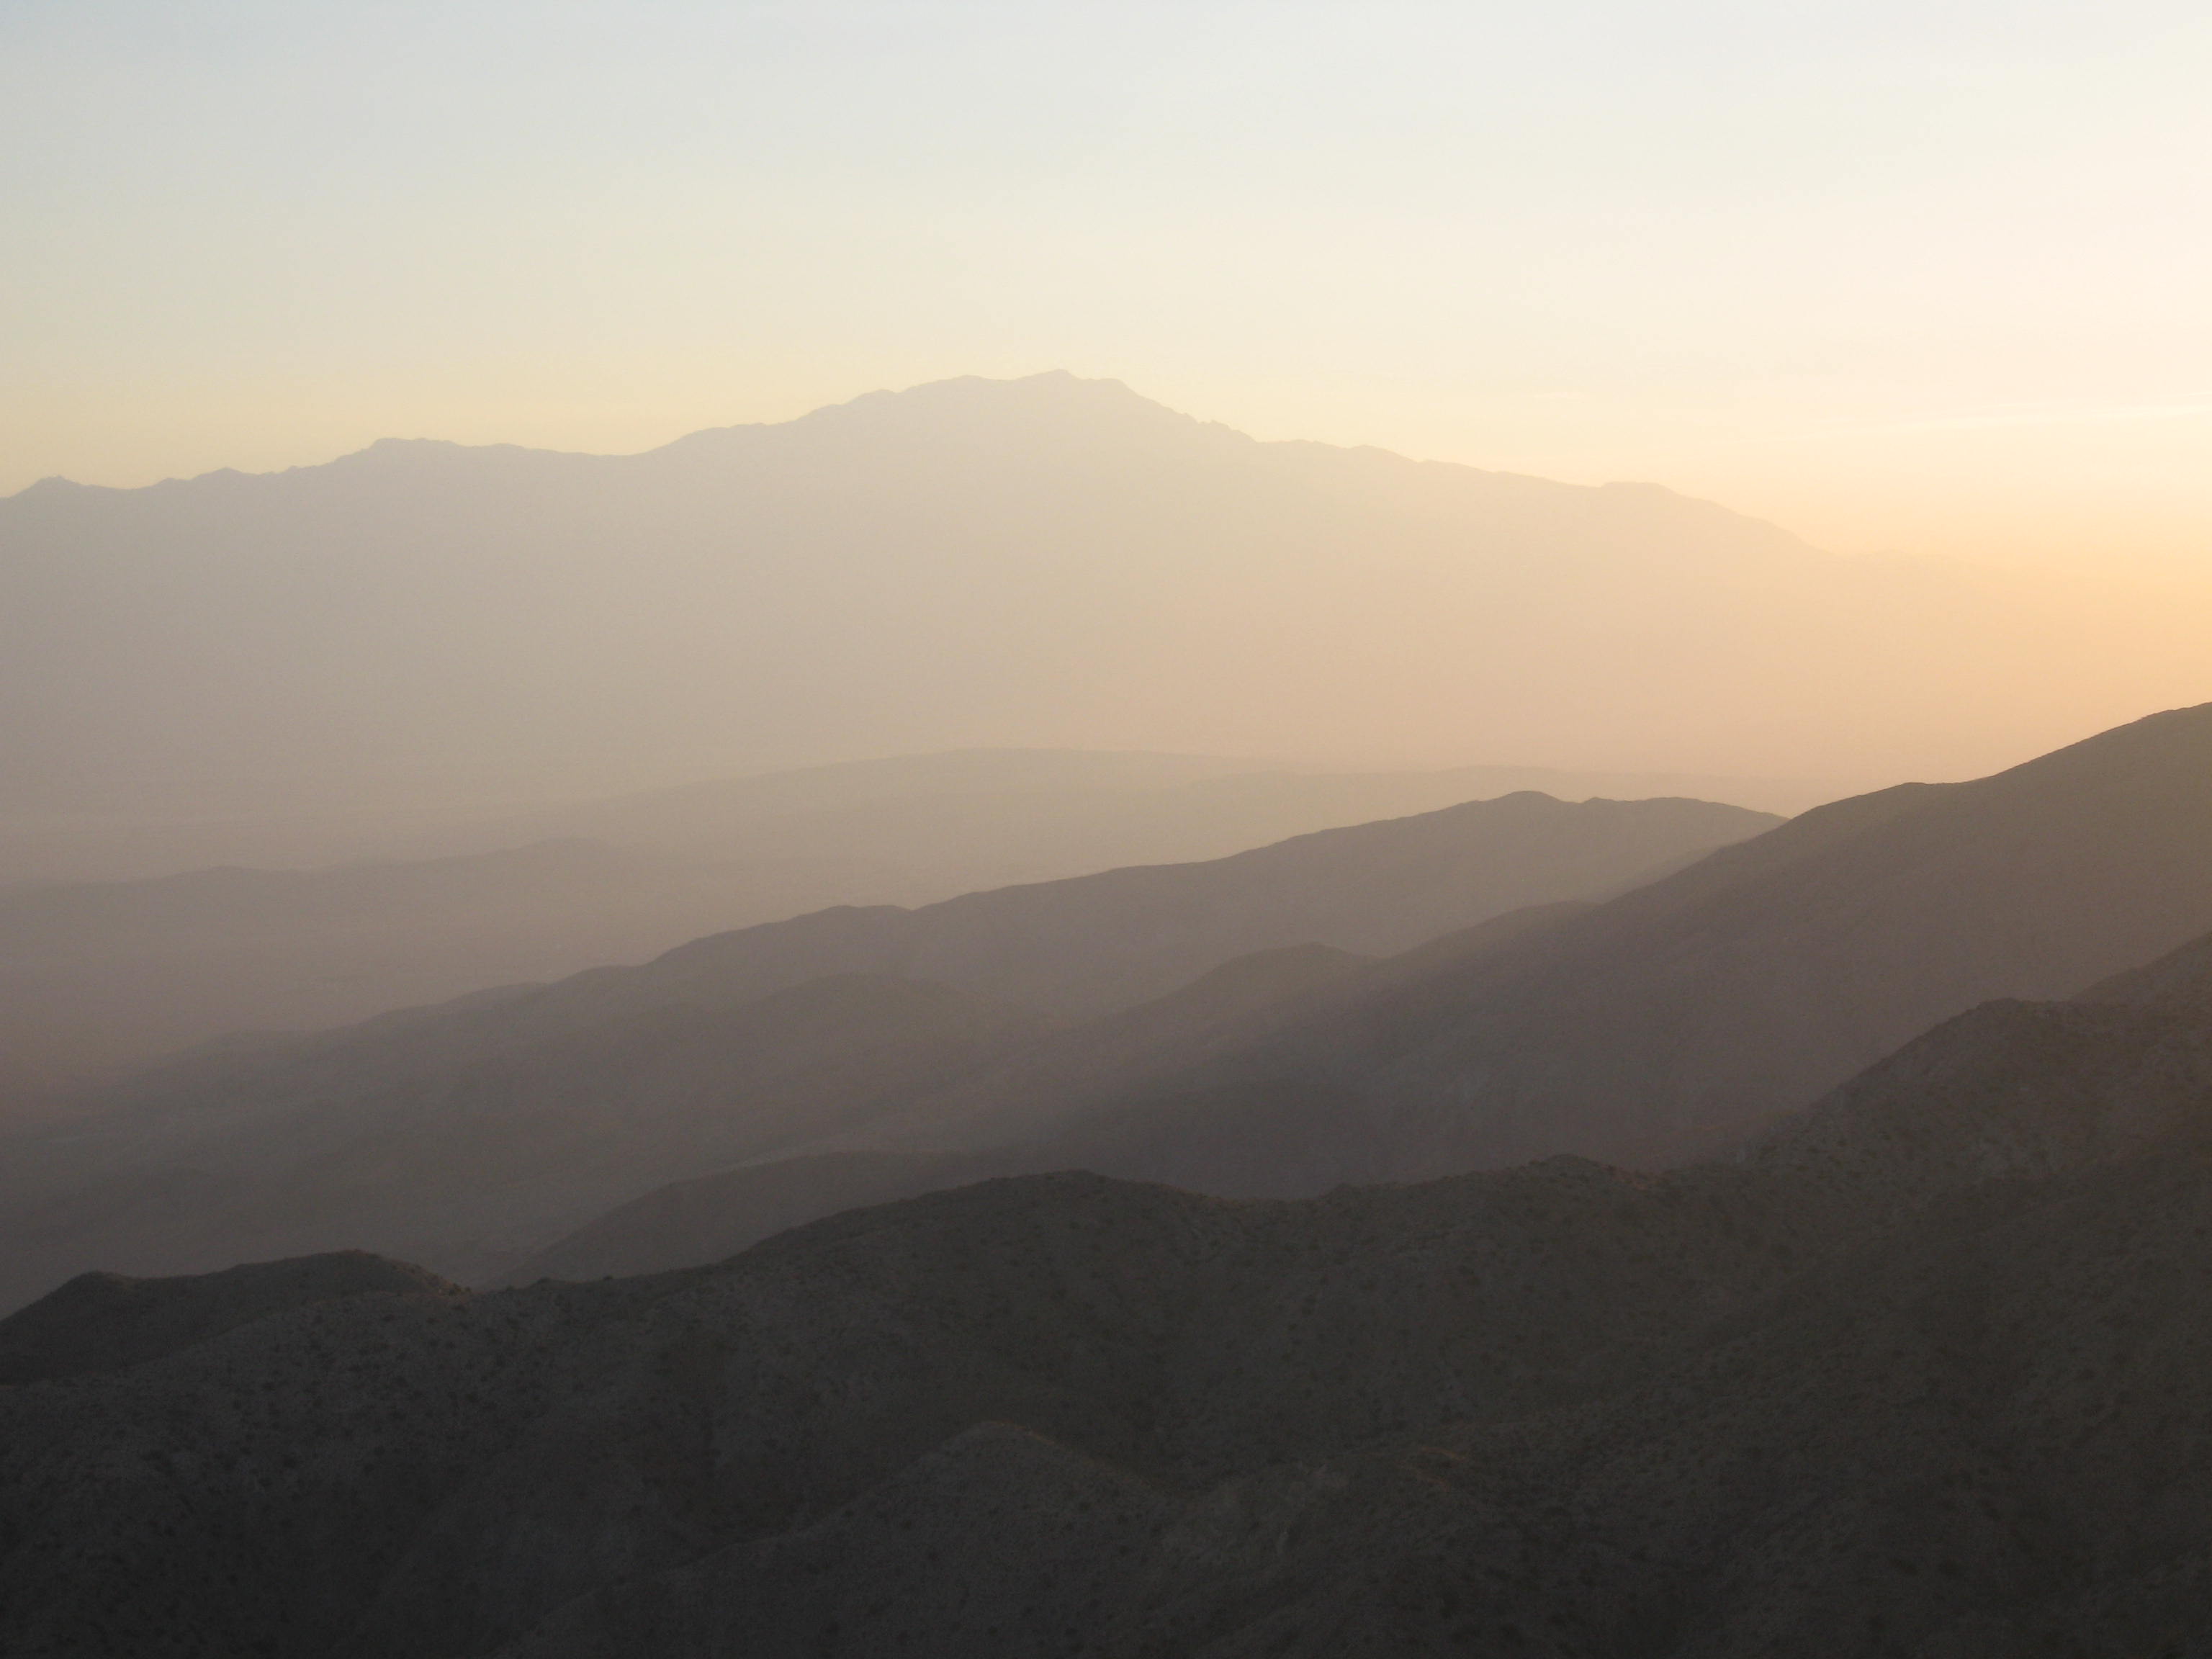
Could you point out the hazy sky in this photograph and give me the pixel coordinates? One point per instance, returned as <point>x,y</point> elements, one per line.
<point>1922,276</point>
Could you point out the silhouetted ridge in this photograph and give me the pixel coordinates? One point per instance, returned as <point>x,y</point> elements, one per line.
<point>98,1321</point>
<point>2181,981</point>
<point>522,620</point>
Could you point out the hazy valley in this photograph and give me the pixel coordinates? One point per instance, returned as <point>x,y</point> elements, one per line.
<point>467,1134</point>
<point>103,974</point>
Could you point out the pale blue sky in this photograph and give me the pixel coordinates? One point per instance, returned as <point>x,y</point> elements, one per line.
<point>1915,276</point>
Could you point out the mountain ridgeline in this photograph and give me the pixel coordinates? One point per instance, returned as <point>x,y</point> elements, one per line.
<point>1047,562</point>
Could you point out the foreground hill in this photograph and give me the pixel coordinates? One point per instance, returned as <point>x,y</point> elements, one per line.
<point>1663,1025</point>
<point>468,1134</point>
<point>1914,1378</point>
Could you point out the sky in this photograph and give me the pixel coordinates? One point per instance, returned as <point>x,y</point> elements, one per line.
<point>1927,277</point>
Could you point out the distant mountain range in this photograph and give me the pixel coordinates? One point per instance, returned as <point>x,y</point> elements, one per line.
<point>471,1133</point>
<point>1044,562</point>
<point>1917,1373</point>
<point>972,818</point>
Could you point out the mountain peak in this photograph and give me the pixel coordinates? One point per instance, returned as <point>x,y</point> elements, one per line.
<point>1055,391</point>
<point>53,485</point>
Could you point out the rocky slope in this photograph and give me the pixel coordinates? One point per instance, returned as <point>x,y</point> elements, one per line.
<point>1914,1376</point>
